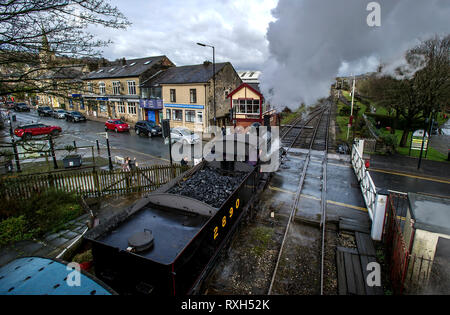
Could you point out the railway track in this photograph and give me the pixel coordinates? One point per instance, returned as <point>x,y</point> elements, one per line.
<point>311,134</point>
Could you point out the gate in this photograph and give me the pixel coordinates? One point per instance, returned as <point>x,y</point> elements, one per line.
<point>396,246</point>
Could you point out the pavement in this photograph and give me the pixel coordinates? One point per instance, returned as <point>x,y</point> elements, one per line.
<point>441,143</point>
<point>52,245</point>
<point>446,128</point>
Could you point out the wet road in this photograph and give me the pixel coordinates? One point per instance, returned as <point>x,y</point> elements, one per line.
<point>86,134</point>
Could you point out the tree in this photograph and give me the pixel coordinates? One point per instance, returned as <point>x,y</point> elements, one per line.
<point>38,37</point>
<point>417,89</point>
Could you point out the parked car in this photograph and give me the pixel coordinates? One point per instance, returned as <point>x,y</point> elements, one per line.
<point>21,107</point>
<point>148,128</point>
<point>9,105</point>
<point>117,125</point>
<point>28,131</point>
<point>45,111</point>
<point>59,113</point>
<point>184,135</point>
<point>75,116</point>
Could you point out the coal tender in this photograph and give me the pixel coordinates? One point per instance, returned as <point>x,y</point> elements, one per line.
<point>164,243</point>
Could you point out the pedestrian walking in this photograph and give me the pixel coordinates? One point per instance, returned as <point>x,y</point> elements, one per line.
<point>184,161</point>
<point>126,165</point>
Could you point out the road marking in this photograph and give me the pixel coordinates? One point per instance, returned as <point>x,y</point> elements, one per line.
<point>340,165</point>
<point>345,205</point>
<point>411,176</point>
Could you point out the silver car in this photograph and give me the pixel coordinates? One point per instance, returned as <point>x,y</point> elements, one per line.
<point>184,135</point>
<point>59,113</point>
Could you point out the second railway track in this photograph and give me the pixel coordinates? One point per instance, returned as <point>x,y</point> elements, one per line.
<point>311,137</point>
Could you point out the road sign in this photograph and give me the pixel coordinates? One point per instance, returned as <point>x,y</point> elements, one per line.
<point>418,139</point>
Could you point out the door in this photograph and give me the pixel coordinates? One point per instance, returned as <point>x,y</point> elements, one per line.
<point>151,116</point>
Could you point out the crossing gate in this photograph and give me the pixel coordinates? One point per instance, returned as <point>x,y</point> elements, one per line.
<point>374,199</point>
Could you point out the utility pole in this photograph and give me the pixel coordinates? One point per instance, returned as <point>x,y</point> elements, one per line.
<point>350,123</point>
<point>425,138</point>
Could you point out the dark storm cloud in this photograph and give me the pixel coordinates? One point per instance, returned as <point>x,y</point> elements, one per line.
<point>311,41</point>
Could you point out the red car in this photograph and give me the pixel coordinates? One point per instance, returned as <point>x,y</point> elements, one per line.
<point>27,131</point>
<point>117,125</point>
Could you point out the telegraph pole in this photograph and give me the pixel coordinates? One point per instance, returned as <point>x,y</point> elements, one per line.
<point>350,123</point>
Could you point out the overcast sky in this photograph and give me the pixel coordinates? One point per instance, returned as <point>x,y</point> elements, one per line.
<point>236,28</point>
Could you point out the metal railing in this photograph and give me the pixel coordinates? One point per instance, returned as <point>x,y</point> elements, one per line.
<point>368,188</point>
<point>90,183</point>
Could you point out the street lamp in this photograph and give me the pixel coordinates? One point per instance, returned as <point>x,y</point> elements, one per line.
<point>214,78</point>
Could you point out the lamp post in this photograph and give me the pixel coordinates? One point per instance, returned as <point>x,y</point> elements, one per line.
<point>214,78</point>
<point>13,142</point>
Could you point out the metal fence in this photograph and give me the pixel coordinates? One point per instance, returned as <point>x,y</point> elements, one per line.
<point>91,183</point>
<point>409,274</point>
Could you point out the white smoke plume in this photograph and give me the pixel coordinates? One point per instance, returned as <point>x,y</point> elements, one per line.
<point>311,41</point>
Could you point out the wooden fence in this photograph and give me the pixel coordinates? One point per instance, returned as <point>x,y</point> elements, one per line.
<point>90,183</point>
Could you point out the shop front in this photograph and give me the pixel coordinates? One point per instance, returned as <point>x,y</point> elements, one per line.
<point>152,109</point>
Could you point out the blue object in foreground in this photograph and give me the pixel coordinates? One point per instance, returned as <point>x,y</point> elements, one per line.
<point>42,276</point>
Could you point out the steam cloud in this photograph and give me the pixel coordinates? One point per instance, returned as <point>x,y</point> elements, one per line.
<point>312,41</point>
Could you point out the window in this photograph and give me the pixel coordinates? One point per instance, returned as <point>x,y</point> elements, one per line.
<point>121,107</point>
<point>190,116</point>
<point>102,88</point>
<point>246,106</point>
<point>200,117</point>
<point>156,93</point>
<point>131,88</point>
<point>168,114</point>
<point>147,62</point>
<point>90,87</point>
<point>193,95</point>
<point>173,96</point>
<point>177,115</point>
<point>116,87</point>
<point>132,108</point>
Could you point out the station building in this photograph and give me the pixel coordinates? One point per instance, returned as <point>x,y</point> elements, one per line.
<point>247,103</point>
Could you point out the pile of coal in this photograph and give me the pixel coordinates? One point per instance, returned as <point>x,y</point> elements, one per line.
<point>209,186</point>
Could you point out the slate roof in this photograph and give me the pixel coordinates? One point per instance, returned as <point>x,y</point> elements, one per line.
<point>201,73</point>
<point>69,72</point>
<point>255,86</point>
<point>133,68</point>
